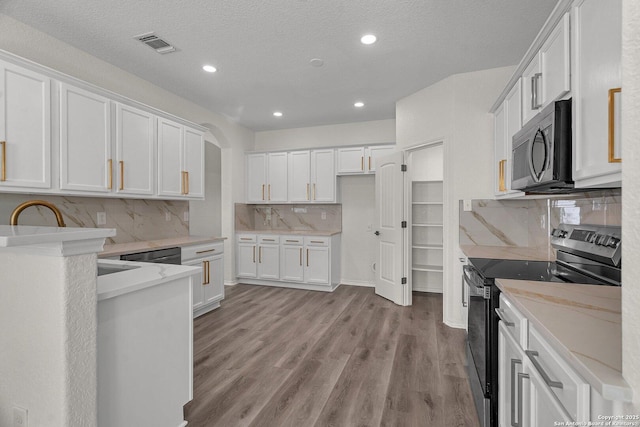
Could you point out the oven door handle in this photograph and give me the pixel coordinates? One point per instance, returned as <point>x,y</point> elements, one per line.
<point>477,289</point>
<point>501,316</point>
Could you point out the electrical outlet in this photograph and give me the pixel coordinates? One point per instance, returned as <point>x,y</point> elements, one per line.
<point>20,417</point>
<point>101,218</point>
<point>167,216</point>
<point>185,216</point>
<point>466,205</point>
<point>323,215</point>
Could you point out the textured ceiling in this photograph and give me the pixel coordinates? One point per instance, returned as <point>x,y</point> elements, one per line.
<point>262,49</point>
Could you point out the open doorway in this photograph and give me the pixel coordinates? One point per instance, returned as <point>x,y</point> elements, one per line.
<point>426,222</point>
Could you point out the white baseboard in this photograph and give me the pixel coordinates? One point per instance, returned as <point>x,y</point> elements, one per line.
<point>184,424</point>
<point>230,282</point>
<point>428,289</point>
<point>292,285</point>
<point>455,325</point>
<point>357,283</point>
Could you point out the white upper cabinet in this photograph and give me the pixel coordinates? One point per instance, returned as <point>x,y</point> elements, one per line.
<point>323,176</point>
<point>135,150</point>
<point>507,122</point>
<point>360,160</point>
<point>86,156</point>
<point>350,160</point>
<point>500,148</point>
<point>548,75</point>
<point>276,177</point>
<point>597,35</point>
<point>180,161</point>
<point>25,128</point>
<point>299,176</point>
<point>267,177</point>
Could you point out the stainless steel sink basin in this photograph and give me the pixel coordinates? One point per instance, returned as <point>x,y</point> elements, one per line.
<point>109,269</point>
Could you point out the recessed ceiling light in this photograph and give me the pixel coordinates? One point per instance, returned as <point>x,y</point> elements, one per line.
<point>209,68</point>
<point>368,39</point>
<point>277,113</point>
<point>359,104</point>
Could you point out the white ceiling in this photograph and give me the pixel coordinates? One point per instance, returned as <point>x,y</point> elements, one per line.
<point>262,49</point>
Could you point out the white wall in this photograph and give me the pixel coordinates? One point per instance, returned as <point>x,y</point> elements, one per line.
<point>357,192</point>
<point>631,199</point>
<point>37,46</point>
<point>361,133</point>
<point>455,111</point>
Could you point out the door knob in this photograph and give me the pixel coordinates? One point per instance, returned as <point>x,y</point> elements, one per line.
<point>377,233</point>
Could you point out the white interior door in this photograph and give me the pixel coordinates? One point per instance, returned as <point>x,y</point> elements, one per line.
<point>388,222</point>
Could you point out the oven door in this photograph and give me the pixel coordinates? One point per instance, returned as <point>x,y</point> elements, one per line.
<point>478,320</point>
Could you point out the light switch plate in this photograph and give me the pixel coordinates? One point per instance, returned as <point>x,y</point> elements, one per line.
<point>101,218</point>
<point>20,417</point>
<point>466,205</point>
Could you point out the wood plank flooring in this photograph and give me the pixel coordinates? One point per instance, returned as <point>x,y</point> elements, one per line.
<point>285,357</point>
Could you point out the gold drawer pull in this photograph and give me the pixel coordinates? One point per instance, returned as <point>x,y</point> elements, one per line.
<point>300,256</point>
<point>254,254</point>
<point>246,238</point>
<point>110,169</point>
<point>362,163</point>
<point>292,241</point>
<point>317,241</point>
<point>369,162</point>
<point>121,175</point>
<point>3,176</point>
<point>205,252</point>
<point>307,257</point>
<point>501,175</point>
<point>268,240</point>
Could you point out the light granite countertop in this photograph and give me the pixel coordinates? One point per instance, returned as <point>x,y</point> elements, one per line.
<point>291,232</point>
<point>142,246</point>
<point>582,322</point>
<point>508,252</point>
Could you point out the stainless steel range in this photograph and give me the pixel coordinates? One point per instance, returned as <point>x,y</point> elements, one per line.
<point>586,254</point>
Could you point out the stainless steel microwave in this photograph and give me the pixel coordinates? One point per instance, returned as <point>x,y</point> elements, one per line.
<point>541,153</point>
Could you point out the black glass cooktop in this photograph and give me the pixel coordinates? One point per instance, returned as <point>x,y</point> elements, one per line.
<point>543,271</point>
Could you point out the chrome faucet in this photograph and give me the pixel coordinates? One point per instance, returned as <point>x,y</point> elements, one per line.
<point>16,212</point>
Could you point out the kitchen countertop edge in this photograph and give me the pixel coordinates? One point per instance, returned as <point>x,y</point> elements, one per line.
<point>118,249</point>
<point>291,232</point>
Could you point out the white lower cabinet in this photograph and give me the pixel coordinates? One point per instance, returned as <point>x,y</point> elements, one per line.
<point>307,262</point>
<point>537,387</point>
<point>209,290</point>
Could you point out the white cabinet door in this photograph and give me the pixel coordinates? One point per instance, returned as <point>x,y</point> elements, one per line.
<point>531,94</point>
<point>350,160</point>
<point>555,63</point>
<point>135,150</point>
<point>372,153</point>
<point>85,141</point>
<point>246,260</point>
<point>597,52</point>
<point>170,177</point>
<point>323,176</point>
<point>291,263</point>
<point>197,284</point>
<point>256,177</point>
<point>510,385</point>
<point>544,408</point>
<point>277,177</point>
<point>500,149</point>
<point>299,176</point>
<point>193,163</point>
<point>25,128</point>
<point>269,261</point>
<point>316,268</point>
<point>213,290</point>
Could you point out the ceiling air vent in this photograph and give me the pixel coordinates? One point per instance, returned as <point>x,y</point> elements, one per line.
<point>155,42</point>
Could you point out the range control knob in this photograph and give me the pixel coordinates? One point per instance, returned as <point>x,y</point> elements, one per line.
<point>600,239</point>
<point>611,242</point>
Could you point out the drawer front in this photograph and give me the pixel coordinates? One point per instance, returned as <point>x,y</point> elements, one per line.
<point>292,240</point>
<point>515,322</point>
<point>269,240</point>
<point>202,251</point>
<point>316,241</point>
<point>246,238</point>
<point>565,384</point>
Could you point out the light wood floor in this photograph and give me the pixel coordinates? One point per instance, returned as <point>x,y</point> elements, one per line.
<point>283,357</point>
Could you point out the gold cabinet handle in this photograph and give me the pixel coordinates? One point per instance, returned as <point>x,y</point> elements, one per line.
<point>362,163</point>
<point>269,192</point>
<point>262,191</point>
<point>254,254</point>
<point>307,191</point>
<point>301,257</point>
<point>182,183</point>
<point>186,179</point>
<point>260,255</point>
<point>369,163</point>
<point>110,168</point>
<point>121,175</point>
<point>208,272</point>
<point>204,272</point>
<point>205,252</point>
<point>307,257</point>
<point>314,191</point>
<point>501,175</point>
<point>3,175</point>
<point>612,121</point>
